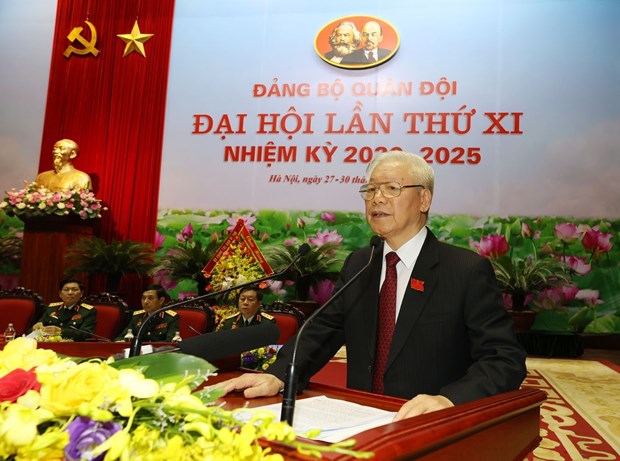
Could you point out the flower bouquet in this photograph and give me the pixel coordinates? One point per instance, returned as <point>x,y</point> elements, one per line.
<point>143,408</point>
<point>34,200</point>
<point>261,358</point>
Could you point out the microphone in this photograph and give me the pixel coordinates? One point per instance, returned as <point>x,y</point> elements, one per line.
<point>101,338</point>
<point>290,385</point>
<point>193,329</point>
<point>137,342</point>
<point>224,343</point>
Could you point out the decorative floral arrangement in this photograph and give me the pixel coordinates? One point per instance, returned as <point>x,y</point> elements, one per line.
<point>545,278</point>
<point>35,200</point>
<point>322,263</point>
<point>142,408</point>
<point>236,262</point>
<point>261,358</point>
<point>184,259</point>
<point>236,267</point>
<point>520,277</point>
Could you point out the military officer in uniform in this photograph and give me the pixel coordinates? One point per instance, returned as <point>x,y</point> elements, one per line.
<point>69,318</point>
<point>248,302</point>
<point>162,328</point>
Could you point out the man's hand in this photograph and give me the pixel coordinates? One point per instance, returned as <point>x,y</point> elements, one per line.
<point>37,326</point>
<point>422,403</point>
<point>52,330</point>
<point>253,385</point>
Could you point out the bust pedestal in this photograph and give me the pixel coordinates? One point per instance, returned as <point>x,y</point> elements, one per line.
<point>45,244</point>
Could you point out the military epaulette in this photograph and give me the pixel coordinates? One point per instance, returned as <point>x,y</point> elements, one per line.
<point>171,313</point>
<point>87,306</point>
<point>266,315</point>
<point>60,303</point>
<point>231,316</point>
<point>139,312</point>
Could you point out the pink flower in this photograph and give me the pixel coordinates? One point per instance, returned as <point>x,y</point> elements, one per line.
<point>577,264</point>
<point>186,233</point>
<point>567,232</point>
<point>526,230</point>
<point>590,297</point>
<point>162,278</point>
<point>323,237</point>
<point>555,298</point>
<point>159,240</point>
<point>247,219</point>
<point>596,242</point>
<point>492,246</point>
<point>301,223</point>
<point>322,292</point>
<point>291,242</point>
<point>328,217</point>
<point>276,287</point>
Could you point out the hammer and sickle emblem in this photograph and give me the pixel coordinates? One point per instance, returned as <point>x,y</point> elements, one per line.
<point>89,46</point>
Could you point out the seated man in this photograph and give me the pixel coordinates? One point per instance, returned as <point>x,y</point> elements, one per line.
<point>164,327</point>
<point>248,303</point>
<point>68,318</point>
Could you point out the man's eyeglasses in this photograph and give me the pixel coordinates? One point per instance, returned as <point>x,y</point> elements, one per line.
<point>388,189</point>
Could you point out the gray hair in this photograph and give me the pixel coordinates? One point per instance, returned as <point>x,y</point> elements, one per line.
<point>417,166</point>
<point>357,37</point>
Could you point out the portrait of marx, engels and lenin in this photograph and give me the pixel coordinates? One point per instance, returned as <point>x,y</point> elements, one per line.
<point>357,42</point>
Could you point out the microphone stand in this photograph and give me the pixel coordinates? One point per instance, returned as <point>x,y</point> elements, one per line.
<point>136,345</point>
<point>290,385</point>
<point>101,338</point>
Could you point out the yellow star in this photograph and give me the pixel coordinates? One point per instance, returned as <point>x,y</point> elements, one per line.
<point>135,40</point>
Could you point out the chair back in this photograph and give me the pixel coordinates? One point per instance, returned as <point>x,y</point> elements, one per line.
<point>111,313</point>
<point>195,318</point>
<point>20,307</point>
<point>288,318</point>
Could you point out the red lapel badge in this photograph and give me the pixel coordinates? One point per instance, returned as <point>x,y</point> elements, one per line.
<point>417,285</point>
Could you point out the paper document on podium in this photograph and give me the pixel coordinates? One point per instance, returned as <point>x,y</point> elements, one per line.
<point>337,419</point>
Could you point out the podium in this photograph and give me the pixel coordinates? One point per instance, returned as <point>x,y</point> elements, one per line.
<point>45,244</point>
<point>504,427</point>
<point>498,428</point>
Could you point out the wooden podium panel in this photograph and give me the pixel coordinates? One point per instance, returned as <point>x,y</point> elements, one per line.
<point>45,244</point>
<point>502,427</point>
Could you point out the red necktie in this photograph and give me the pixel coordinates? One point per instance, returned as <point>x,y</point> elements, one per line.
<point>387,320</point>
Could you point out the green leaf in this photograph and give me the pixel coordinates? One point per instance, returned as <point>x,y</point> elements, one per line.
<point>167,367</point>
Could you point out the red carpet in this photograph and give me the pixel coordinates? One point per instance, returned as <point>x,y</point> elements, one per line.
<point>580,419</point>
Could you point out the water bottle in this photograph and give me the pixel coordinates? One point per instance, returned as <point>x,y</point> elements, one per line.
<point>177,337</point>
<point>9,333</point>
<point>129,336</point>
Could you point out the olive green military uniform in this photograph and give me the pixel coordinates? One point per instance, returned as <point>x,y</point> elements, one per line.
<point>161,328</point>
<point>81,316</point>
<point>234,321</point>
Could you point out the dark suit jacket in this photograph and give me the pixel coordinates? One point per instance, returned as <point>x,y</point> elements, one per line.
<point>453,337</point>
<point>359,57</point>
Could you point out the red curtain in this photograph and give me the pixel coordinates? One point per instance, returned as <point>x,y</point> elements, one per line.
<point>113,107</point>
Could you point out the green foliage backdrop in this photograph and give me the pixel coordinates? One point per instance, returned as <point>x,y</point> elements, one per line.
<point>270,227</point>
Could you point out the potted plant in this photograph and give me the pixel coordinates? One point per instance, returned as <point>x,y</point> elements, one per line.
<point>520,278</point>
<point>186,260</point>
<point>321,262</point>
<point>10,260</point>
<point>114,259</point>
